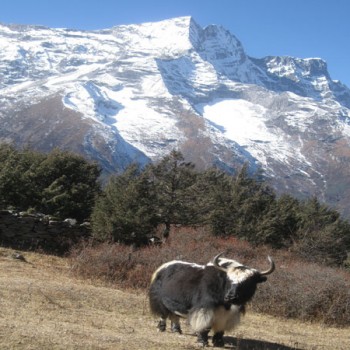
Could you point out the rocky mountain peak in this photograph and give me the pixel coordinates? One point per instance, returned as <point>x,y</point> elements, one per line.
<point>132,93</point>
<point>221,44</point>
<point>297,69</point>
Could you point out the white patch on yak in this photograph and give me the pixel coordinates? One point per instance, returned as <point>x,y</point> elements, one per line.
<point>201,319</point>
<point>238,275</point>
<point>219,319</point>
<point>236,272</point>
<point>226,320</point>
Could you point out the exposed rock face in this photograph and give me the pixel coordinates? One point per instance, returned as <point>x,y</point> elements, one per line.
<point>133,93</point>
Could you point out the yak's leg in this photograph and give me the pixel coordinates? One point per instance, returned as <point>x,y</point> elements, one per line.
<point>203,337</point>
<point>175,324</point>
<point>162,324</point>
<point>218,339</point>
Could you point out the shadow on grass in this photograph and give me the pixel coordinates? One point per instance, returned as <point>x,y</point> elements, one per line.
<point>234,343</point>
<point>252,344</point>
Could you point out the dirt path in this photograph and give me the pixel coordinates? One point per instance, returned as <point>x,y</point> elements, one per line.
<point>44,307</point>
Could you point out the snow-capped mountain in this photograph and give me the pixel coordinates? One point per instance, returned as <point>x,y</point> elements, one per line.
<point>133,93</point>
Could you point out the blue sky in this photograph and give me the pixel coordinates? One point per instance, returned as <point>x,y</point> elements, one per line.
<point>299,28</point>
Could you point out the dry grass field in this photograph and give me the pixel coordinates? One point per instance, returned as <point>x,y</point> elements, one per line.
<point>42,306</point>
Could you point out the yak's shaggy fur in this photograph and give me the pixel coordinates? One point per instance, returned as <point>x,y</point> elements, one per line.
<point>210,296</point>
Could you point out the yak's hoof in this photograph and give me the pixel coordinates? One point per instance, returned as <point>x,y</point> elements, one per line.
<point>203,343</point>
<point>218,340</point>
<point>161,326</point>
<point>203,338</point>
<point>176,328</point>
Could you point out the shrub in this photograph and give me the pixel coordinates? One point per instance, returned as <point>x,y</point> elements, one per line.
<point>307,292</point>
<point>115,264</point>
<point>296,289</point>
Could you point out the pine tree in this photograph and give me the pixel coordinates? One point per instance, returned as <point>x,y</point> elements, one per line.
<point>69,184</point>
<point>213,190</point>
<point>279,226</point>
<point>251,199</point>
<point>172,179</point>
<point>322,236</point>
<point>125,211</point>
<point>59,183</point>
<point>17,172</point>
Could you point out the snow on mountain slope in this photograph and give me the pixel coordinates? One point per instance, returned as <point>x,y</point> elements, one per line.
<point>243,122</point>
<point>135,92</point>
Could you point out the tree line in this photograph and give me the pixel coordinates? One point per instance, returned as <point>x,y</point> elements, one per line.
<point>172,192</point>
<point>132,205</point>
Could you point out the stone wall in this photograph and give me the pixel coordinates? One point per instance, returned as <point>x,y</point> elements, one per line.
<point>21,230</point>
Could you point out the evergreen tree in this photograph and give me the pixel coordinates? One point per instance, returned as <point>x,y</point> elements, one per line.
<point>59,183</point>
<point>69,184</point>
<point>322,236</point>
<point>125,211</point>
<point>315,215</point>
<point>279,226</point>
<point>17,173</point>
<point>213,190</point>
<point>172,179</point>
<point>251,199</point>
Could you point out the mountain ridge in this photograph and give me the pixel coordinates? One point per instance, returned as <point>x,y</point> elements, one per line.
<point>132,93</point>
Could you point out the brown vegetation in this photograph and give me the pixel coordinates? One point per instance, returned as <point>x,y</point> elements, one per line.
<point>297,289</point>
<point>43,306</point>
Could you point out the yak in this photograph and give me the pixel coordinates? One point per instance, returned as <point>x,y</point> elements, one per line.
<point>210,297</point>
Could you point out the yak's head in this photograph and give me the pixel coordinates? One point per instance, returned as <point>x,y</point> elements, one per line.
<point>243,279</point>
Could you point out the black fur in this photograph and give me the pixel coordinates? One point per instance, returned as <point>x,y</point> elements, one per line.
<point>244,291</point>
<point>183,288</point>
<point>218,339</point>
<point>180,289</point>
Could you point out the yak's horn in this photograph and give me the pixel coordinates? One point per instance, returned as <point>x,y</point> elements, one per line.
<point>216,263</point>
<point>271,269</point>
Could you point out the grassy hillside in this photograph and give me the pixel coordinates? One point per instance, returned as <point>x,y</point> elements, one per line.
<point>43,306</point>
